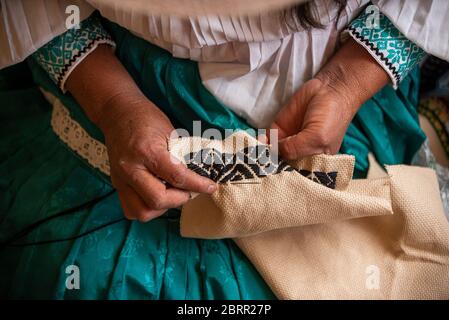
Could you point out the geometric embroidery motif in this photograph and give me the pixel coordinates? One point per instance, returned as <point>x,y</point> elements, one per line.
<point>394,52</point>
<point>249,163</point>
<point>327,179</point>
<point>61,55</point>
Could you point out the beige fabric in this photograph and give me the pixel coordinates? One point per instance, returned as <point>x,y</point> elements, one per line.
<point>287,199</point>
<point>344,164</point>
<point>316,252</point>
<point>281,201</point>
<point>179,147</point>
<point>409,251</point>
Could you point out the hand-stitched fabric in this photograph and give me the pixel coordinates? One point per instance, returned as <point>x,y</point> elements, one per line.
<point>228,161</point>
<point>394,52</point>
<point>288,197</point>
<point>249,163</point>
<point>61,55</point>
<point>386,125</point>
<point>316,252</point>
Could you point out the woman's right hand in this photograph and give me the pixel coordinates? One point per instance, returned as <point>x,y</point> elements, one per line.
<point>137,135</point>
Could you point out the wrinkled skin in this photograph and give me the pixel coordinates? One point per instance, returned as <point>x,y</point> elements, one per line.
<point>149,182</point>
<point>317,117</point>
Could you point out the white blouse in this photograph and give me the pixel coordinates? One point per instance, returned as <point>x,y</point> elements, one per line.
<point>252,64</point>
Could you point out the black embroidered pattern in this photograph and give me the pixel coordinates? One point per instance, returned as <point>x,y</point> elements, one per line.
<point>249,163</point>
<point>327,179</point>
<point>378,53</point>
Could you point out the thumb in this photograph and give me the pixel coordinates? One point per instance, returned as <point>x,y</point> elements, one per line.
<point>276,132</point>
<point>299,146</point>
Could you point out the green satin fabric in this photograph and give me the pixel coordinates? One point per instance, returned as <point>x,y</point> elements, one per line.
<point>40,176</point>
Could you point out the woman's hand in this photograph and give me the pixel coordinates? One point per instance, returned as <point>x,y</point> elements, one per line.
<point>137,134</point>
<point>148,180</point>
<point>314,121</point>
<point>318,115</point>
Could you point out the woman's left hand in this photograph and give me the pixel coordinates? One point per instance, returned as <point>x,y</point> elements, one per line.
<point>313,122</point>
<point>317,117</point>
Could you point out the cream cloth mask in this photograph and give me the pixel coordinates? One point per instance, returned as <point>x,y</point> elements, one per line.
<point>316,238</point>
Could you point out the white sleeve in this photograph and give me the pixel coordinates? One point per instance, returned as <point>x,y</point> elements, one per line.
<point>26,25</point>
<point>425,22</point>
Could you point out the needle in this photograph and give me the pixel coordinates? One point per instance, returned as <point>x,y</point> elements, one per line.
<point>247,182</point>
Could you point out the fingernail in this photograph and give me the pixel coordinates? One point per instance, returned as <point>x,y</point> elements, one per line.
<point>212,188</point>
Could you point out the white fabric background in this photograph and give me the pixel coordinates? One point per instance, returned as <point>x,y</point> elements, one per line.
<point>252,64</point>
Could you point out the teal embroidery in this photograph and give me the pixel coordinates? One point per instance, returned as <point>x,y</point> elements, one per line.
<point>397,54</point>
<point>59,56</point>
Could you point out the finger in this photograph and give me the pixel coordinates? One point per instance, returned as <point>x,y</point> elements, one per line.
<point>305,95</point>
<point>274,131</point>
<point>289,120</point>
<point>165,166</point>
<point>154,193</point>
<point>301,145</point>
<point>292,115</point>
<point>127,211</point>
<point>134,207</point>
<point>120,185</point>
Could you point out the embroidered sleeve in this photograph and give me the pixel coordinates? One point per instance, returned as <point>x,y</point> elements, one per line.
<point>394,52</point>
<point>60,56</point>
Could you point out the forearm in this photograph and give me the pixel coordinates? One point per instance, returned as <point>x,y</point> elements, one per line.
<point>373,52</point>
<point>317,117</point>
<point>86,66</point>
<point>100,82</point>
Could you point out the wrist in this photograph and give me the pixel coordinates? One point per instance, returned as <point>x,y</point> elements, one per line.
<point>116,108</point>
<point>353,74</point>
<point>336,83</point>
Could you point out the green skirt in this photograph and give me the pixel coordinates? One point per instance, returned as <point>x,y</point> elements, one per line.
<point>40,177</point>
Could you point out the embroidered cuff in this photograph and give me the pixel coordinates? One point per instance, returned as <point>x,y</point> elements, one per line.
<point>61,55</point>
<point>394,52</point>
